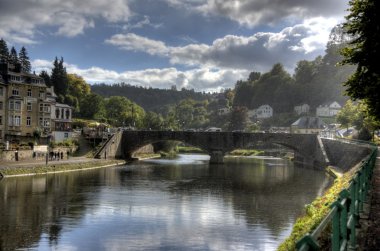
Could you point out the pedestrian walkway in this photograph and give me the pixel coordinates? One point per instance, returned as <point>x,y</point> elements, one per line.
<point>371,241</point>
<point>33,163</point>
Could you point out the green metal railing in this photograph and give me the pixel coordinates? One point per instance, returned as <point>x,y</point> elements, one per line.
<point>344,213</point>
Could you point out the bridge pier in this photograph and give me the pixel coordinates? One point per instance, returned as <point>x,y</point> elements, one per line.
<point>216,157</point>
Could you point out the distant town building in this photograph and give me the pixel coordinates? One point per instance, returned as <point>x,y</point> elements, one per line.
<point>330,109</point>
<point>26,105</point>
<point>308,124</point>
<point>263,112</point>
<point>223,111</point>
<point>302,109</point>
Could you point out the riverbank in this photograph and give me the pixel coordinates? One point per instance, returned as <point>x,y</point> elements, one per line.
<point>14,169</point>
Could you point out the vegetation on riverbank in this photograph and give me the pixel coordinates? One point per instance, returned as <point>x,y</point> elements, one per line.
<point>56,167</point>
<point>246,152</point>
<point>189,149</point>
<point>168,155</point>
<point>316,211</point>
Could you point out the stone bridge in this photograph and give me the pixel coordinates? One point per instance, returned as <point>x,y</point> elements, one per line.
<point>308,148</point>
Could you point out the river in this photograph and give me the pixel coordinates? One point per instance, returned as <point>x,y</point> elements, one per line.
<point>180,204</point>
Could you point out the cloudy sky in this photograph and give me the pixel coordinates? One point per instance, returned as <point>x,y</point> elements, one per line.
<point>202,44</point>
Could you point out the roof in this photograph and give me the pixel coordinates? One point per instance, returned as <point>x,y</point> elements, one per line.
<point>307,122</point>
<point>62,105</point>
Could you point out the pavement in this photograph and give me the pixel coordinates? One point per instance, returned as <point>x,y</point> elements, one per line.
<point>370,240</point>
<point>40,162</point>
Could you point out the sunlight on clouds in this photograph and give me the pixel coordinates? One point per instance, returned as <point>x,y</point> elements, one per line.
<point>201,79</point>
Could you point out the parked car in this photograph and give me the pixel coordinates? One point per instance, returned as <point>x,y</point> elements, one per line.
<point>213,129</point>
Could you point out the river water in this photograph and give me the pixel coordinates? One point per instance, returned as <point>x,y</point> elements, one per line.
<point>180,204</point>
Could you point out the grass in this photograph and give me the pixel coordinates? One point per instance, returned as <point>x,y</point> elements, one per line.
<point>246,152</point>
<point>43,169</point>
<point>316,211</point>
<point>189,149</point>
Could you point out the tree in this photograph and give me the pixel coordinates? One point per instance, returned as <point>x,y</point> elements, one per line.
<point>92,107</point>
<point>346,116</point>
<point>77,86</point>
<point>24,60</point>
<point>4,51</point>
<point>363,24</point>
<point>239,118</point>
<point>13,58</point>
<point>43,74</point>
<point>121,111</point>
<point>59,77</point>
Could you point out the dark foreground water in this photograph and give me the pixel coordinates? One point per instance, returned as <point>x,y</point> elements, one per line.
<point>182,204</point>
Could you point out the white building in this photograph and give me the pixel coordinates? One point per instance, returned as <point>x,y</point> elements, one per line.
<point>62,116</point>
<point>328,109</point>
<point>263,112</point>
<point>302,109</point>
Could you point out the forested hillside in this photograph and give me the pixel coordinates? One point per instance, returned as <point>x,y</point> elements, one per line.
<point>313,82</point>
<point>151,99</point>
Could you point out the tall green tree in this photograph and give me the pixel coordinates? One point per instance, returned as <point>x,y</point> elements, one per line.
<point>24,60</point>
<point>92,107</point>
<point>13,58</point>
<point>238,118</point>
<point>45,75</point>
<point>4,51</point>
<point>363,24</point>
<point>59,78</point>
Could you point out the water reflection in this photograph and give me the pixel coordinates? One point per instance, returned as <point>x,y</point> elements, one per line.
<point>183,204</point>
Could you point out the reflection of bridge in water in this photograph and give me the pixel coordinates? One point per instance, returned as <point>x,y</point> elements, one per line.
<point>309,149</point>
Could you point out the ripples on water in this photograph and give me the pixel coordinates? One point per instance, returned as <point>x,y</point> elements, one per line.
<point>181,204</point>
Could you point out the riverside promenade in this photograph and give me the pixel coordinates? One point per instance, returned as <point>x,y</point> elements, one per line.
<point>370,240</point>
<point>26,167</point>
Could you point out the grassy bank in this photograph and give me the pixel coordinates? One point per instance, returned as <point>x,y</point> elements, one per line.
<point>189,149</point>
<point>245,152</point>
<point>56,167</point>
<point>316,211</point>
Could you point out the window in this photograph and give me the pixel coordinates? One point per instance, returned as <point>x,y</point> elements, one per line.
<point>28,121</point>
<point>1,105</point>
<point>57,113</point>
<point>67,114</point>
<point>62,114</point>
<point>15,105</point>
<point>1,91</point>
<point>45,122</point>
<point>1,120</point>
<point>29,93</point>
<point>29,106</point>
<point>66,135</point>
<point>15,92</point>
<point>44,108</point>
<point>42,95</point>
<point>14,120</point>
<point>17,120</point>
<point>1,134</point>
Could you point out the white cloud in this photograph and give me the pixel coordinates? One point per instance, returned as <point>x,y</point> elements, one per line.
<point>263,12</point>
<point>20,20</point>
<point>202,79</point>
<point>134,42</point>
<point>259,51</point>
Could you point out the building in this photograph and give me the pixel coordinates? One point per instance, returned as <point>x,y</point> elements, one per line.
<point>26,105</point>
<point>263,112</point>
<point>223,111</point>
<point>308,124</point>
<point>2,108</point>
<point>302,109</point>
<point>62,122</point>
<point>329,109</point>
